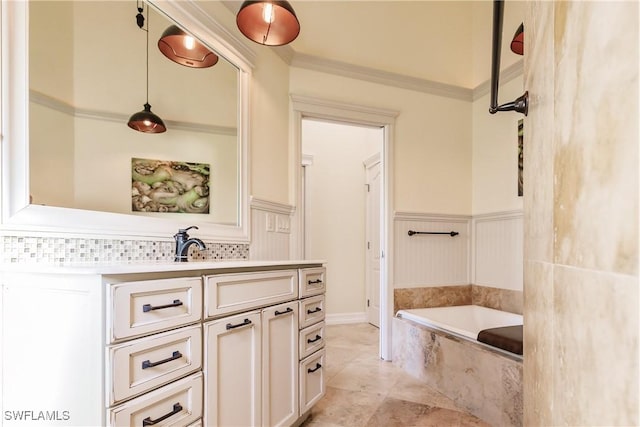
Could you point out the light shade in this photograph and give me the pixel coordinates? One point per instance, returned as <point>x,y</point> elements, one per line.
<point>147,122</point>
<point>268,22</point>
<point>517,44</point>
<point>184,49</point>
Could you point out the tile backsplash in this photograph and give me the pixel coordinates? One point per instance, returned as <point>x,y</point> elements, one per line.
<point>73,251</point>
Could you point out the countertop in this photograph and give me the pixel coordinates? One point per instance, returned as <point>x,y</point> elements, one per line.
<point>159,267</point>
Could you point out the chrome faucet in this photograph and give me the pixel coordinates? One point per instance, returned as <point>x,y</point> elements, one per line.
<point>183,242</point>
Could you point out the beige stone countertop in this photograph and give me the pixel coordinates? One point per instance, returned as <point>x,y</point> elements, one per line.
<point>159,267</point>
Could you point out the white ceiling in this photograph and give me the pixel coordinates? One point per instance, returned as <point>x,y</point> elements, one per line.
<point>438,41</point>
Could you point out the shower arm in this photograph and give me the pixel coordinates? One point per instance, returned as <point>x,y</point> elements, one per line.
<point>521,104</point>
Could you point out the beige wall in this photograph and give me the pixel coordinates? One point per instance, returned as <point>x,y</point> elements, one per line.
<point>432,140</point>
<point>495,153</point>
<point>335,207</point>
<point>581,214</point>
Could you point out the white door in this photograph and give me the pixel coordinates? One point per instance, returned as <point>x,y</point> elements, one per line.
<point>372,274</point>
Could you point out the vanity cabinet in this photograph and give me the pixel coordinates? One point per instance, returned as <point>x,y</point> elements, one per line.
<point>199,344</point>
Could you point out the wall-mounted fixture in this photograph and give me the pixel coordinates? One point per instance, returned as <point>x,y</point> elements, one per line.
<point>268,22</point>
<point>145,121</point>
<point>517,43</point>
<point>521,104</point>
<point>184,49</point>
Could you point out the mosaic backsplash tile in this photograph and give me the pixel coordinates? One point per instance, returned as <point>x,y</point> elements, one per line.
<point>74,251</point>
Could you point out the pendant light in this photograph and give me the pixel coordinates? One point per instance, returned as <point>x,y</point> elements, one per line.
<point>517,44</point>
<point>145,121</point>
<point>268,22</point>
<point>184,49</point>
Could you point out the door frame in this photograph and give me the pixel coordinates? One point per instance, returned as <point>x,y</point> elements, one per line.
<point>317,108</point>
<point>368,164</point>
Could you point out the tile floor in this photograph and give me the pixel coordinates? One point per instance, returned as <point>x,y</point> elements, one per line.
<point>363,390</point>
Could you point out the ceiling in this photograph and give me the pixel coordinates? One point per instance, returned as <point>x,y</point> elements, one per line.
<point>446,42</point>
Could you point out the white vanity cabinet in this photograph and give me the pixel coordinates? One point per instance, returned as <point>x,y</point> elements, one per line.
<point>173,344</point>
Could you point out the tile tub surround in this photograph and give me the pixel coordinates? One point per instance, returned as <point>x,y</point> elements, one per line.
<point>80,251</point>
<point>426,297</point>
<point>484,382</point>
<point>500,299</point>
<point>444,296</point>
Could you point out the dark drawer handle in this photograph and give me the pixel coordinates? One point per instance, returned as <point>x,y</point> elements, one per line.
<point>318,366</point>
<point>149,307</point>
<point>314,311</point>
<point>288,310</point>
<point>317,338</point>
<point>149,422</point>
<point>147,364</point>
<point>244,323</point>
<point>313,282</point>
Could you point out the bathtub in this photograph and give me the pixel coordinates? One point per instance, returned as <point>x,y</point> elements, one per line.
<point>462,320</point>
<point>438,346</point>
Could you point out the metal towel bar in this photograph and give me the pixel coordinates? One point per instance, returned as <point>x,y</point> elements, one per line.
<point>450,233</point>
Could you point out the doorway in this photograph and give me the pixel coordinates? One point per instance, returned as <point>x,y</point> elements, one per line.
<point>342,192</point>
<point>304,107</point>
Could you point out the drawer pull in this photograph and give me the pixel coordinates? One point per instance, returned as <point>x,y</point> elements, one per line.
<point>147,364</point>
<point>288,310</point>
<point>317,338</point>
<point>314,311</point>
<point>149,422</point>
<point>244,323</point>
<point>313,282</point>
<point>318,366</point>
<point>149,307</point>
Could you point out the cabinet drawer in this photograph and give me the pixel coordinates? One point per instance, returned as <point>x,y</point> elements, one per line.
<point>311,311</point>
<point>312,380</point>
<point>312,281</point>
<point>311,339</point>
<point>146,363</point>
<point>230,293</point>
<point>176,404</point>
<point>139,308</point>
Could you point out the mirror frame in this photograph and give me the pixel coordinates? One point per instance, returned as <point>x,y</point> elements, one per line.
<point>18,216</point>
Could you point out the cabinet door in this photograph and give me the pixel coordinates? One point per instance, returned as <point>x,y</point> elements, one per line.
<point>233,371</point>
<point>280,364</point>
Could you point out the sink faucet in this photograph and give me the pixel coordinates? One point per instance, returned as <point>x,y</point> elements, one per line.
<point>183,242</point>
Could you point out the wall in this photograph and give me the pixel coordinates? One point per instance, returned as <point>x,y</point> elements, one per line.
<point>335,207</point>
<point>581,214</point>
<point>432,139</point>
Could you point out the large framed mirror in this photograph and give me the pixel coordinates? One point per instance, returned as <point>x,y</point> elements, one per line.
<point>73,74</point>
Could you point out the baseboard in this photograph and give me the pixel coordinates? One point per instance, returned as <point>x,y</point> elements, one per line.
<point>344,318</point>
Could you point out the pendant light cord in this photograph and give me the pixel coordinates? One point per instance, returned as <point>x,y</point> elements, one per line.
<point>147,31</point>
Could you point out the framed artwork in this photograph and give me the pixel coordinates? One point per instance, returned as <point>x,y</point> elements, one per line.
<point>520,157</point>
<point>169,186</point>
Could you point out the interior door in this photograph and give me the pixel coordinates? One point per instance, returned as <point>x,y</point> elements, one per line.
<point>372,274</point>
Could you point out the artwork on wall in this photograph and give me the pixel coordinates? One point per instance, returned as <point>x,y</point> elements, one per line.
<point>520,156</point>
<point>169,186</point>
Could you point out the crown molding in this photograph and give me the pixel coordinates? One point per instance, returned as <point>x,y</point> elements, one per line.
<point>344,69</point>
<point>511,72</point>
<point>106,116</point>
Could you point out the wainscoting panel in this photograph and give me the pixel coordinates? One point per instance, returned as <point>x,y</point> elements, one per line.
<point>431,260</point>
<point>270,230</point>
<point>498,250</point>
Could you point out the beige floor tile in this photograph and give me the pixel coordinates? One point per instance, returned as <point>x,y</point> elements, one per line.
<point>344,408</point>
<point>363,390</point>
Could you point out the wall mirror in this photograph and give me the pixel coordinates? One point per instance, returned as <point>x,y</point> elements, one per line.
<point>78,71</point>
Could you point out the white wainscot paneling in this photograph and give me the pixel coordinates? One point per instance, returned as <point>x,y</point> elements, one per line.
<point>431,260</point>
<point>498,250</point>
<point>270,230</point>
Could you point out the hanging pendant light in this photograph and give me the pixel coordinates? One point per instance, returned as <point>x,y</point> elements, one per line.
<point>268,22</point>
<point>184,49</point>
<point>145,121</point>
<point>517,44</point>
